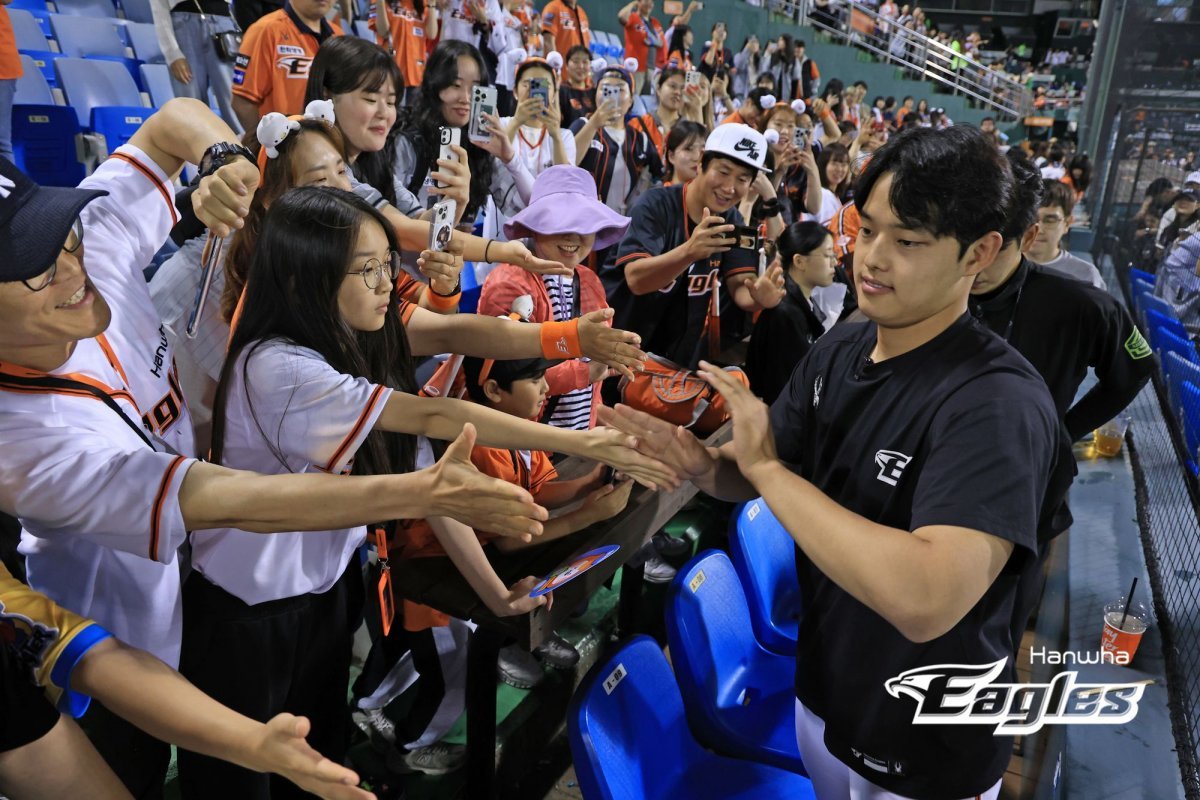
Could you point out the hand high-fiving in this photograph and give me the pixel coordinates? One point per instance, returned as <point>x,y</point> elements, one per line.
<point>617,348</point>
<point>460,491</point>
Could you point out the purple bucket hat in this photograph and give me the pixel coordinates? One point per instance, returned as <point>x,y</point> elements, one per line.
<point>564,201</point>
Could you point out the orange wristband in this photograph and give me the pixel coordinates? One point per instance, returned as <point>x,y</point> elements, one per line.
<point>826,114</point>
<point>561,339</point>
<point>439,302</point>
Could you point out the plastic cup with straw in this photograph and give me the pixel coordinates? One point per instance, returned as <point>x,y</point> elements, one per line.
<point>1124,625</point>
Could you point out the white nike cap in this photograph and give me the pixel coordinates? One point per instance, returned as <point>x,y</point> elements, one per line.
<point>740,143</point>
<point>1193,178</point>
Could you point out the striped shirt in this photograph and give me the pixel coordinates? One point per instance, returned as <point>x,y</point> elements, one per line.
<point>573,410</point>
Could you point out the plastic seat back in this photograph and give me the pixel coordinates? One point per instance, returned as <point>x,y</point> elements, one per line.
<point>138,11</point>
<point>145,43</point>
<point>1190,406</point>
<point>764,557</point>
<point>1163,342</point>
<point>92,84</point>
<point>363,28</point>
<point>28,5</point>
<point>1136,274</point>
<point>1167,321</point>
<point>27,31</point>
<point>32,88</point>
<point>157,80</point>
<point>1138,290</point>
<point>627,728</point>
<point>87,8</point>
<point>1150,303</point>
<point>82,37</point>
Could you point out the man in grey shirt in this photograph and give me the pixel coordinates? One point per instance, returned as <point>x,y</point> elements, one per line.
<point>1054,220</point>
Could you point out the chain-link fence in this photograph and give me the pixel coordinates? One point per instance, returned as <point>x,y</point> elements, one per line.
<point>1151,149</point>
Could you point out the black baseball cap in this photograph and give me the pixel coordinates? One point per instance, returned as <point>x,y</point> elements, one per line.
<point>34,221</point>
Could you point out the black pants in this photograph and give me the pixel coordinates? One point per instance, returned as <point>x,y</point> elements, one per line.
<point>284,655</point>
<point>431,685</point>
<point>138,759</point>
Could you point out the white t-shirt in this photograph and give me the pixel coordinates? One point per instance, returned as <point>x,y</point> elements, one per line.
<point>98,505</point>
<point>829,207</point>
<point>316,418</point>
<point>457,22</point>
<point>535,148</point>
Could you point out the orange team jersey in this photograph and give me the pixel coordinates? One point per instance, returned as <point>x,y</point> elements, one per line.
<point>407,29</point>
<point>271,69</point>
<point>736,116</point>
<point>638,33</point>
<point>529,469</point>
<point>844,226</point>
<point>678,59</point>
<point>649,124</point>
<point>567,24</point>
<point>10,60</point>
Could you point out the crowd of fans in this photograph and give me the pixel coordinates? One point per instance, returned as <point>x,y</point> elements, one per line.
<point>693,203</point>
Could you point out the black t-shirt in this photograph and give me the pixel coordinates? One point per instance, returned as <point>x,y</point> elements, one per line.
<point>672,320</point>
<point>575,103</point>
<point>781,338</point>
<point>1063,326</point>
<point>960,431</point>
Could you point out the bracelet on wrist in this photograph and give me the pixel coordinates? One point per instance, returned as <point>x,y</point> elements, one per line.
<point>486,249</point>
<point>453,293</point>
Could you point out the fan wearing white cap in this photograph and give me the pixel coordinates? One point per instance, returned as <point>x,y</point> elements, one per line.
<point>680,255</point>
<point>1190,184</point>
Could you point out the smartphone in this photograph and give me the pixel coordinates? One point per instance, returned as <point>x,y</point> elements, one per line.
<point>540,87</point>
<point>800,138</point>
<point>441,226</point>
<point>447,137</point>
<point>691,81</point>
<point>483,102</point>
<point>747,238</point>
<point>610,91</point>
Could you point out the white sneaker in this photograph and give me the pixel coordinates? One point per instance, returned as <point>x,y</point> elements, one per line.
<point>377,726</point>
<point>435,759</point>
<point>659,571</point>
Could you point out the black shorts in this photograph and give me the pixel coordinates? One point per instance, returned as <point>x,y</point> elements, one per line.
<point>25,713</point>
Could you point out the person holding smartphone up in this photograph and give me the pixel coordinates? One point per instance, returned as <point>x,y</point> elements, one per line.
<point>536,128</point>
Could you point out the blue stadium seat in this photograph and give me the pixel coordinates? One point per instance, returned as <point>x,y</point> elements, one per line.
<point>1159,319</point>
<point>1164,342</point>
<point>764,556</point>
<point>145,43</point>
<point>1191,420</point>
<point>651,103</point>
<point>83,37</point>
<point>87,8</point>
<point>738,695</point>
<point>638,108</point>
<point>629,740</point>
<point>92,84</point>
<point>157,80</point>
<point>1140,275</point>
<point>1138,290</point>
<point>363,29</point>
<point>28,5</point>
<point>44,60</point>
<point>32,88</point>
<point>137,11</point>
<point>1177,370</point>
<point>27,31</point>
<point>1151,303</point>
<point>43,133</point>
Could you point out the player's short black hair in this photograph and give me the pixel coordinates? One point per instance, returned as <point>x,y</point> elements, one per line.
<point>951,182</point>
<point>1027,194</point>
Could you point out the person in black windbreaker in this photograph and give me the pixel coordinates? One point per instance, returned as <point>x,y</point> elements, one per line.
<point>783,335</point>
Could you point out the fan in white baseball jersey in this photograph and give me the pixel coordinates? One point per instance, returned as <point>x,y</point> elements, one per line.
<point>97,497</point>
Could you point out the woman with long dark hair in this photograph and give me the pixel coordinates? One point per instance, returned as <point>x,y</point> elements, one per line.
<point>837,184</point>
<point>679,50</point>
<point>783,334</point>
<point>323,383</point>
<point>683,151</point>
<point>444,100</point>
<point>1079,175</point>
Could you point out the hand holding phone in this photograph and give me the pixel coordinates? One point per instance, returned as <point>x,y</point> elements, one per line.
<point>483,103</point>
<point>447,137</point>
<point>441,225</point>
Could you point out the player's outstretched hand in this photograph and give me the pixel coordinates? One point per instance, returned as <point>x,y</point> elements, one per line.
<point>673,445</point>
<point>619,450</point>
<point>460,491</point>
<point>517,254</point>
<point>280,747</point>
<point>601,342</point>
<point>753,441</point>
<point>222,200</point>
<point>608,500</point>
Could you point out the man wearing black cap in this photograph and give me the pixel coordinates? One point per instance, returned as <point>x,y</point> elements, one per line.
<point>909,459</point>
<point>99,460</point>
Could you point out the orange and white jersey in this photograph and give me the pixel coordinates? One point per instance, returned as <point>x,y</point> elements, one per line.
<point>290,412</point>
<point>98,500</point>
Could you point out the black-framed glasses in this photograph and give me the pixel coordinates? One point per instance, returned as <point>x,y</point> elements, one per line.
<point>375,271</point>
<point>71,245</point>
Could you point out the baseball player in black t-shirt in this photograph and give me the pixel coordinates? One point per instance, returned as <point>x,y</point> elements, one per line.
<point>908,458</point>
<point>680,252</point>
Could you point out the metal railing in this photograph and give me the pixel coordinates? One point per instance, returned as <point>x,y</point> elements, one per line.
<point>863,27</point>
